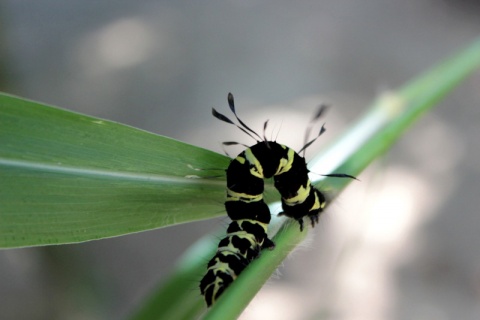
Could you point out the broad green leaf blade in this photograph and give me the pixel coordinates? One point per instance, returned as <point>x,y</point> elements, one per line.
<point>367,139</point>
<point>67,177</point>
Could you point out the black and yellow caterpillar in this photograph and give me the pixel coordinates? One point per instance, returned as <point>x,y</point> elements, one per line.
<point>250,215</point>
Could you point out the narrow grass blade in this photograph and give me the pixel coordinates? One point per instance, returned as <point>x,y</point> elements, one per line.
<point>364,142</point>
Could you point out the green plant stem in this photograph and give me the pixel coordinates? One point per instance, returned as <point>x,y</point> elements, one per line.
<point>365,141</point>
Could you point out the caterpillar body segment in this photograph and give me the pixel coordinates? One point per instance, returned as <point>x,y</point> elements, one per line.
<point>246,237</point>
<point>247,233</point>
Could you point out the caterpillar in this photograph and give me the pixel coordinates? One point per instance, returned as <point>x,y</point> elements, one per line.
<point>246,235</point>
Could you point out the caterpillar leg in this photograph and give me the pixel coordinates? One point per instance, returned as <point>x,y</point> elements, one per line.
<point>268,244</point>
<point>314,218</point>
<point>299,220</point>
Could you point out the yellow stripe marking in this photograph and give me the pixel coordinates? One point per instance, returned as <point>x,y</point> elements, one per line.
<point>240,159</point>
<point>244,197</point>
<point>261,224</point>
<point>302,195</point>
<point>257,169</point>
<point>286,164</point>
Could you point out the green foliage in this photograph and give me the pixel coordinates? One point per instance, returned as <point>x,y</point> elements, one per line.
<point>67,177</point>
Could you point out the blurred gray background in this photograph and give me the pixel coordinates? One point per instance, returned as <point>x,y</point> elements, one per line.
<point>404,243</point>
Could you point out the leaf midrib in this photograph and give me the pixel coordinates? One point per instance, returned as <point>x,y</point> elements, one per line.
<point>104,173</point>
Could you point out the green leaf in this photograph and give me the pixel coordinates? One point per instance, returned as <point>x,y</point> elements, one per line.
<point>364,142</point>
<point>67,177</point>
